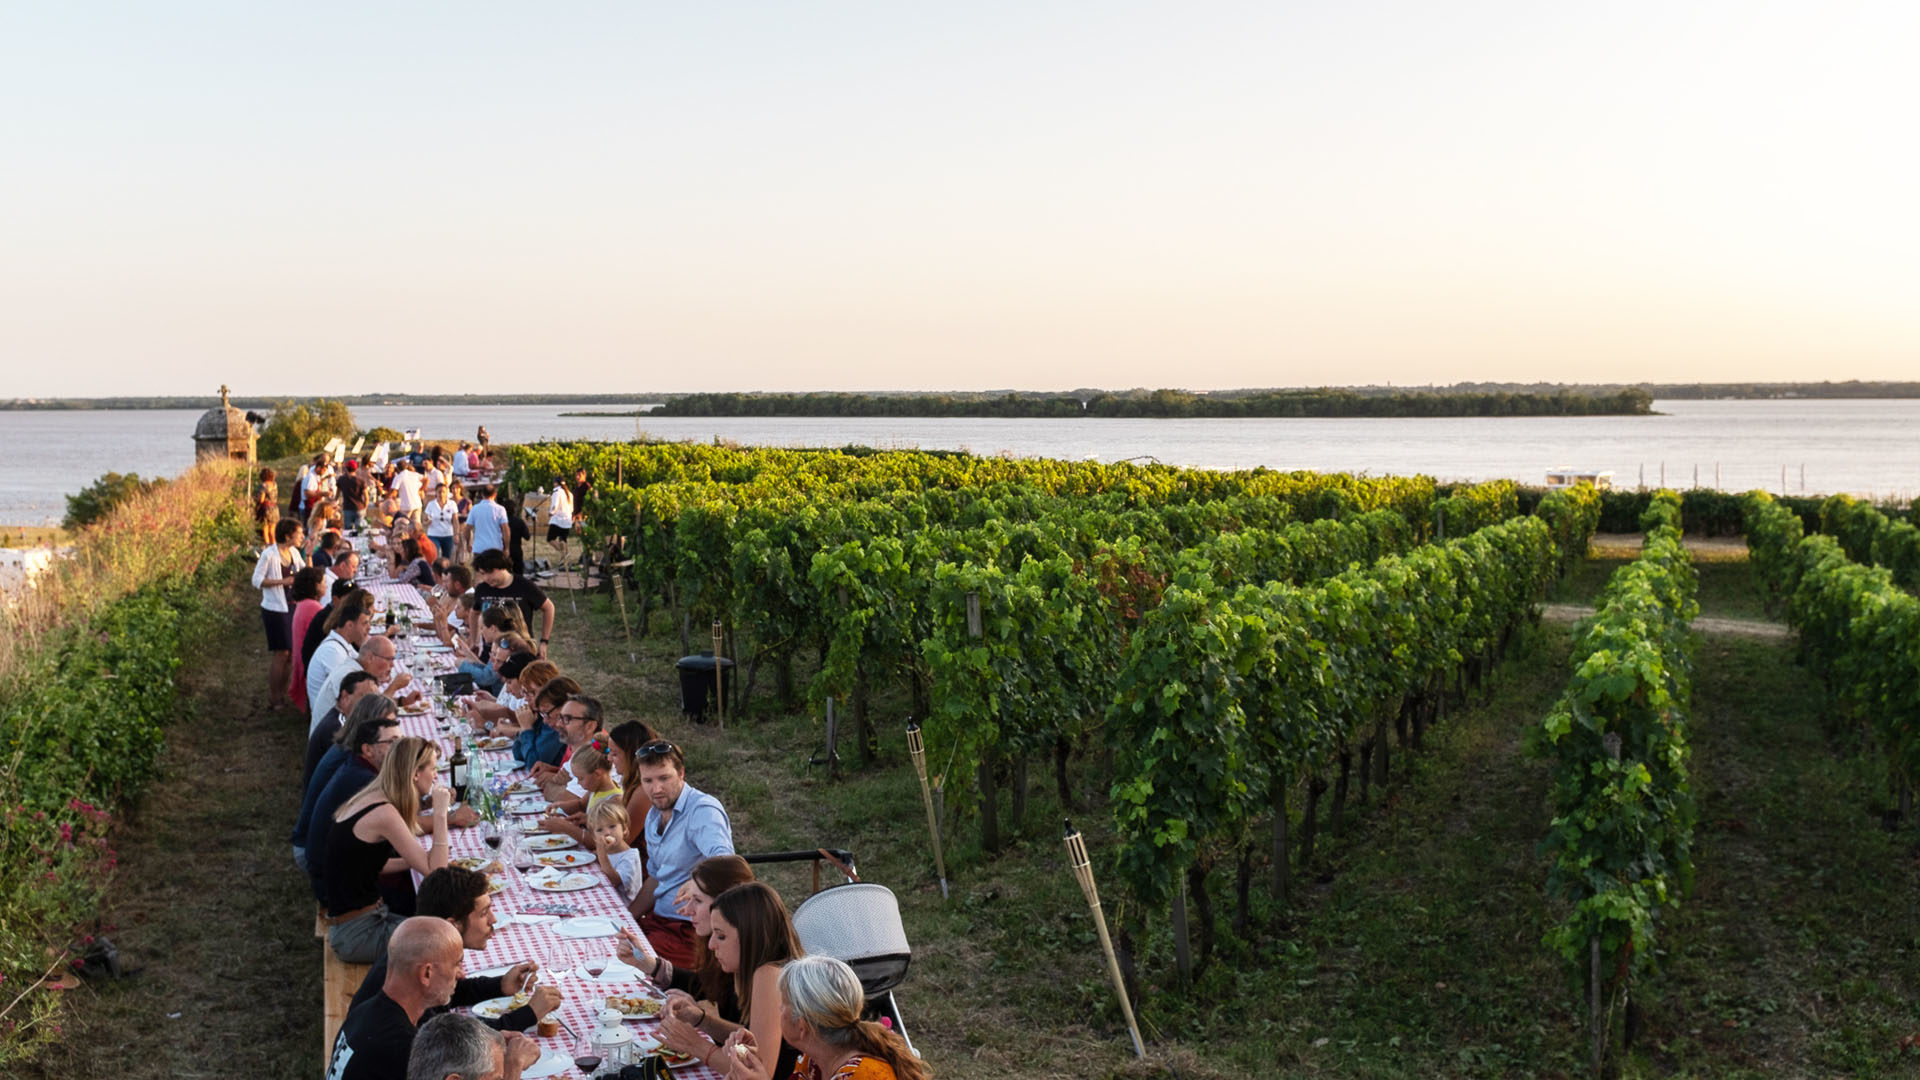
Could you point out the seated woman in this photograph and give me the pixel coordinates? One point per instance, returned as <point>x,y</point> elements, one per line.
<point>376,831</point>
<point>306,603</point>
<point>704,981</point>
<point>540,743</point>
<point>510,713</point>
<point>751,937</point>
<point>824,1002</point>
<point>410,566</point>
<point>495,623</point>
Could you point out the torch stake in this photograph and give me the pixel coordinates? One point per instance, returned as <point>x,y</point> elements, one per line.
<point>1083,873</point>
<point>918,751</point>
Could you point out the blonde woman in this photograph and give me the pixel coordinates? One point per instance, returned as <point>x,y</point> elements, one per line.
<point>377,831</point>
<point>824,1002</point>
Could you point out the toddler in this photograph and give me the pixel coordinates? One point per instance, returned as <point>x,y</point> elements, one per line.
<point>618,859</point>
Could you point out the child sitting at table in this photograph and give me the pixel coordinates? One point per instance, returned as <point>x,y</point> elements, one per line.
<point>618,860</point>
<point>594,767</point>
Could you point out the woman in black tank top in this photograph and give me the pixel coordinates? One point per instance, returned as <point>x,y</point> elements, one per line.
<point>376,831</point>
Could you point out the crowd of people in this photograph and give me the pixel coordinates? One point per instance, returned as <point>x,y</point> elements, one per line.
<point>741,995</point>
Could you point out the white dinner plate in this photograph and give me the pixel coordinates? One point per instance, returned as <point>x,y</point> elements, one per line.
<point>549,842</point>
<point>551,1063</point>
<point>585,926</point>
<point>573,882</point>
<point>563,858</point>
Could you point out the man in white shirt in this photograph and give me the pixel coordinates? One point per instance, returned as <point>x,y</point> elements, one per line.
<point>406,489</point>
<point>462,463</point>
<point>375,657</point>
<point>345,567</point>
<point>342,644</point>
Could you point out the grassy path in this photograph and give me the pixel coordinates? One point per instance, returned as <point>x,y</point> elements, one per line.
<point>207,897</point>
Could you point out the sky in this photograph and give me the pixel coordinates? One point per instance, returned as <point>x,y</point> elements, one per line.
<point>613,197</point>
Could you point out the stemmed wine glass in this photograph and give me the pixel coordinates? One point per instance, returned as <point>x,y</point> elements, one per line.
<point>586,1056</point>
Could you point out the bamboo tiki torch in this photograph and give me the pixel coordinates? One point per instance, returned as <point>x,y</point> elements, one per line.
<point>1083,873</point>
<point>719,687</point>
<point>918,751</point>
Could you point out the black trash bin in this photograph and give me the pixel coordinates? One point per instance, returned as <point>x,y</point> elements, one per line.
<point>697,678</point>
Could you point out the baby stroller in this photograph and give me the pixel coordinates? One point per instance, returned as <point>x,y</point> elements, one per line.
<point>857,922</point>
<point>860,923</point>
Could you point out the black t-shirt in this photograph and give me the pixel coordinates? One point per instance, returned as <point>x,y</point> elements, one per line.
<point>374,1042</point>
<point>353,491</point>
<point>467,993</point>
<point>321,559</point>
<point>523,592</point>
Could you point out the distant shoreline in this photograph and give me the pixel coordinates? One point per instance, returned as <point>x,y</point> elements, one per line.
<point>999,402</point>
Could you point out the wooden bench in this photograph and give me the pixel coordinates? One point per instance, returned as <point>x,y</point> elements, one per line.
<point>338,982</point>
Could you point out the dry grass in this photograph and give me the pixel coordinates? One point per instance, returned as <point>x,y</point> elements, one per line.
<point>134,545</point>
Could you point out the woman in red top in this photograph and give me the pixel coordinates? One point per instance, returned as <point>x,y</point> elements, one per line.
<point>306,604</point>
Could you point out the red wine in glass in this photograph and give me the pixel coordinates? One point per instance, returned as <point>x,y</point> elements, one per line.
<point>596,965</point>
<point>586,1063</point>
<point>492,840</point>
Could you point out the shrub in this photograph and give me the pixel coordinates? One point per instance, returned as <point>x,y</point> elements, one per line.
<point>97,499</point>
<point>303,427</point>
<point>381,434</point>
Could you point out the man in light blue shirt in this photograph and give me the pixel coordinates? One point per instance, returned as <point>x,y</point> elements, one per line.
<point>488,522</point>
<point>684,825</point>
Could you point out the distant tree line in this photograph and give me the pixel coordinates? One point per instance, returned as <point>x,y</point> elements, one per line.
<point>1167,404</point>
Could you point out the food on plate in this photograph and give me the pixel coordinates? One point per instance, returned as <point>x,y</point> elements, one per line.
<point>548,842</point>
<point>634,1006</point>
<point>674,1058</point>
<point>497,742</point>
<point>563,858</point>
<point>477,862</point>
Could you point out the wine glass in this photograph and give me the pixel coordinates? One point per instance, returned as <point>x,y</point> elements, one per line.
<point>596,962</point>
<point>586,1056</point>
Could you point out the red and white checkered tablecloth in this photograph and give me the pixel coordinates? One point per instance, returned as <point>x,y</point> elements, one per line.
<point>514,941</point>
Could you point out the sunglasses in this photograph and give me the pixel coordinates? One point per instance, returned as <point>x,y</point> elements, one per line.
<point>659,748</point>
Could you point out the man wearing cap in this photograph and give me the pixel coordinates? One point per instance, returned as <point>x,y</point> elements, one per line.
<point>684,825</point>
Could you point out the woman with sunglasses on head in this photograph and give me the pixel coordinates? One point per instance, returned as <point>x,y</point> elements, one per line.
<point>752,939</point>
<point>703,980</point>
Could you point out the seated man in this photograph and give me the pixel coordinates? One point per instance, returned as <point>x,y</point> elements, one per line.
<point>353,687</point>
<point>423,964</point>
<point>576,722</point>
<point>456,1047</point>
<point>460,896</point>
<point>684,825</point>
<point>375,657</point>
<point>350,764</point>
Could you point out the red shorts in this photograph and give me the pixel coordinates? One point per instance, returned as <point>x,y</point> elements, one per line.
<point>671,938</point>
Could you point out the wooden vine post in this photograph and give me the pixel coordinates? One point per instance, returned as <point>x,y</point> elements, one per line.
<point>719,685</point>
<point>1083,873</point>
<point>918,751</point>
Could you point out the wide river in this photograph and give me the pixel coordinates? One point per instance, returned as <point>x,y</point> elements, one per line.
<point>1863,447</point>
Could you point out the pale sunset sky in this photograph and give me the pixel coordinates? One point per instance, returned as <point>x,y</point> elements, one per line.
<point>630,196</point>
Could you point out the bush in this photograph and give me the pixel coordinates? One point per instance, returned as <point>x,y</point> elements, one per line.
<point>98,499</point>
<point>303,427</point>
<point>381,434</point>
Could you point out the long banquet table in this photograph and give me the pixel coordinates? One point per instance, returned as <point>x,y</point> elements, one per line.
<point>514,938</point>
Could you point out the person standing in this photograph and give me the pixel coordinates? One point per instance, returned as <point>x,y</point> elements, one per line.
<point>273,573</point>
<point>442,516</point>
<point>495,583</point>
<point>406,489</point>
<point>353,496</point>
<point>560,518</point>
<point>487,524</point>
<point>266,505</point>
